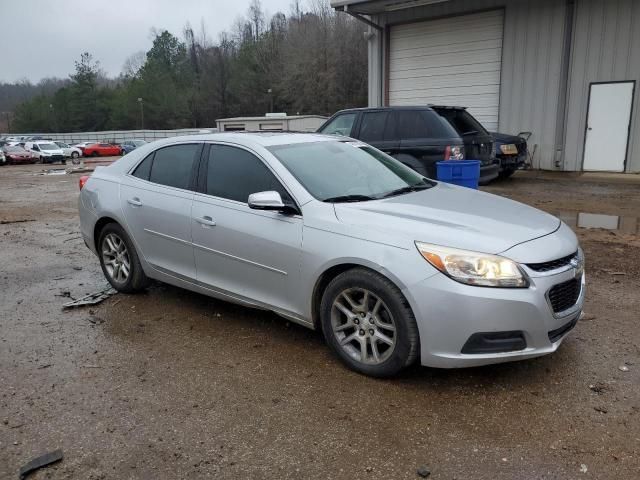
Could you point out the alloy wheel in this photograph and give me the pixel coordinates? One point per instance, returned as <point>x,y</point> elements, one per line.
<point>115,256</point>
<point>363,326</point>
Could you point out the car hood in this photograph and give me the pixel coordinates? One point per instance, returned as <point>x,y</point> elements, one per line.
<point>451,216</point>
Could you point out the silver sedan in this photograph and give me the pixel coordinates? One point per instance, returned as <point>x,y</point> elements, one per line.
<point>333,234</point>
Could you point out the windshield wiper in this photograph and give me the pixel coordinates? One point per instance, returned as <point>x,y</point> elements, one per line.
<point>407,189</point>
<point>470,132</point>
<point>348,198</point>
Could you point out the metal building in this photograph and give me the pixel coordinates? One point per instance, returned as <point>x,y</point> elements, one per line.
<point>272,122</point>
<point>565,70</point>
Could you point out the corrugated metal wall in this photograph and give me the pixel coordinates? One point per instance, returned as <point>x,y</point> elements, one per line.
<point>606,47</point>
<point>530,95</point>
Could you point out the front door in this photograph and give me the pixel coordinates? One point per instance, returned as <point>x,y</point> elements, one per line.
<point>156,200</point>
<point>247,253</point>
<point>606,140</point>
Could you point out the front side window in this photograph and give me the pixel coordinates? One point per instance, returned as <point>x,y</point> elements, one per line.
<point>341,125</point>
<point>346,171</point>
<point>172,166</point>
<point>234,174</point>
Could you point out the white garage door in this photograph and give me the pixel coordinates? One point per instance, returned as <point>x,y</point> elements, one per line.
<point>451,61</point>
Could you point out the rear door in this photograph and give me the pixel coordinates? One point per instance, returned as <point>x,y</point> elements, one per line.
<point>247,253</point>
<point>424,136</point>
<point>377,128</point>
<point>156,200</point>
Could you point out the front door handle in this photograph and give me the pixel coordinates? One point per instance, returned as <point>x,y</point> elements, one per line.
<point>135,201</point>
<point>206,221</point>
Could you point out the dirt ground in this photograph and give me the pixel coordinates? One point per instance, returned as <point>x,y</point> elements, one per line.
<point>172,384</point>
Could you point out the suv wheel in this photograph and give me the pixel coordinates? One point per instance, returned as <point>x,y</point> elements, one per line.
<point>368,323</point>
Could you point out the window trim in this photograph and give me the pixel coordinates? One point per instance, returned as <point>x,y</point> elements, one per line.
<point>204,167</point>
<point>192,176</point>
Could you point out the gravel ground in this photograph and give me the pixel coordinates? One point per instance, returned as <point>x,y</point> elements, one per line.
<point>172,384</point>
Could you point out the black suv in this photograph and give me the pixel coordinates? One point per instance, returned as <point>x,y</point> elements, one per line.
<point>417,136</point>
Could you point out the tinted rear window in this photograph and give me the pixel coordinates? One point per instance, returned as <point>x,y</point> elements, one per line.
<point>172,166</point>
<point>373,126</point>
<point>414,124</point>
<point>462,121</point>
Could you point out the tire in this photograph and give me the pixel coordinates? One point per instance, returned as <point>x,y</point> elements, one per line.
<point>95,154</point>
<point>385,305</point>
<point>135,280</point>
<point>506,173</point>
<point>74,158</point>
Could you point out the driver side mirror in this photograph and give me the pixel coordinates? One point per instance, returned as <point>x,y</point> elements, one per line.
<point>271,200</point>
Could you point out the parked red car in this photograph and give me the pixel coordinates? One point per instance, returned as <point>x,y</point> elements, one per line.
<point>101,150</point>
<point>16,154</point>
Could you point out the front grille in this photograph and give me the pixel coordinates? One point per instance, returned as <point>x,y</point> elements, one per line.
<point>552,265</point>
<point>564,295</point>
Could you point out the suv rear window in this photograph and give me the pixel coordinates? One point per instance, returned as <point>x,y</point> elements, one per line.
<point>462,121</point>
<point>423,124</point>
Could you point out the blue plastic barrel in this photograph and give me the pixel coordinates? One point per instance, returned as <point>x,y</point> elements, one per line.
<point>465,173</point>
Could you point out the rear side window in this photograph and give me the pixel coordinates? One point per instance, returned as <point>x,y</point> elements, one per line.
<point>144,168</point>
<point>234,173</point>
<point>373,125</point>
<point>341,125</point>
<point>172,166</point>
<point>423,124</point>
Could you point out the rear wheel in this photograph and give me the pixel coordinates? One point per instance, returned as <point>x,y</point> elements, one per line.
<point>119,260</point>
<point>368,323</point>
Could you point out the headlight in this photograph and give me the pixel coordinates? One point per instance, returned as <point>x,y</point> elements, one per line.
<point>474,268</point>
<point>509,149</point>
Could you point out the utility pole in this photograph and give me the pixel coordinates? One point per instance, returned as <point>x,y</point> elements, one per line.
<point>141,102</point>
<point>270,92</point>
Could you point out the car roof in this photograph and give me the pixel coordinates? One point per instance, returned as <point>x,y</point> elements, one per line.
<point>265,139</point>
<point>429,106</point>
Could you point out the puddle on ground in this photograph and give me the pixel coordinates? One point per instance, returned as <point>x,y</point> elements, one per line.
<point>598,220</point>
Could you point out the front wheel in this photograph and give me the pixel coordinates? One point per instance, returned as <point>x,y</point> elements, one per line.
<point>95,154</point>
<point>368,323</point>
<point>119,260</point>
<point>506,173</point>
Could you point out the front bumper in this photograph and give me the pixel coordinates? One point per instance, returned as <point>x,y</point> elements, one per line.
<point>449,313</point>
<point>511,162</point>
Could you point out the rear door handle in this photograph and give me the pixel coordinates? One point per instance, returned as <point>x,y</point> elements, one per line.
<point>206,221</point>
<point>135,201</point>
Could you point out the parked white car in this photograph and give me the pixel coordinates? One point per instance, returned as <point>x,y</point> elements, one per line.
<point>69,151</point>
<point>45,150</point>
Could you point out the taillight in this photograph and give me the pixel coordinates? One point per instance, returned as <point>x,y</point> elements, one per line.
<point>454,152</point>
<point>83,180</point>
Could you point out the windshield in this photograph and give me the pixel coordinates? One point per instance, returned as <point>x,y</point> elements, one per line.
<point>12,149</point>
<point>62,145</point>
<point>347,171</point>
<point>138,143</point>
<point>48,146</point>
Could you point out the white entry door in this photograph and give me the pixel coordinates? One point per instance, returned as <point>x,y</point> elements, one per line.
<point>605,147</point>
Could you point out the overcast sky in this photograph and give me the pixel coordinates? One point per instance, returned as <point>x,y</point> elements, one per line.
<point>42,38</point>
